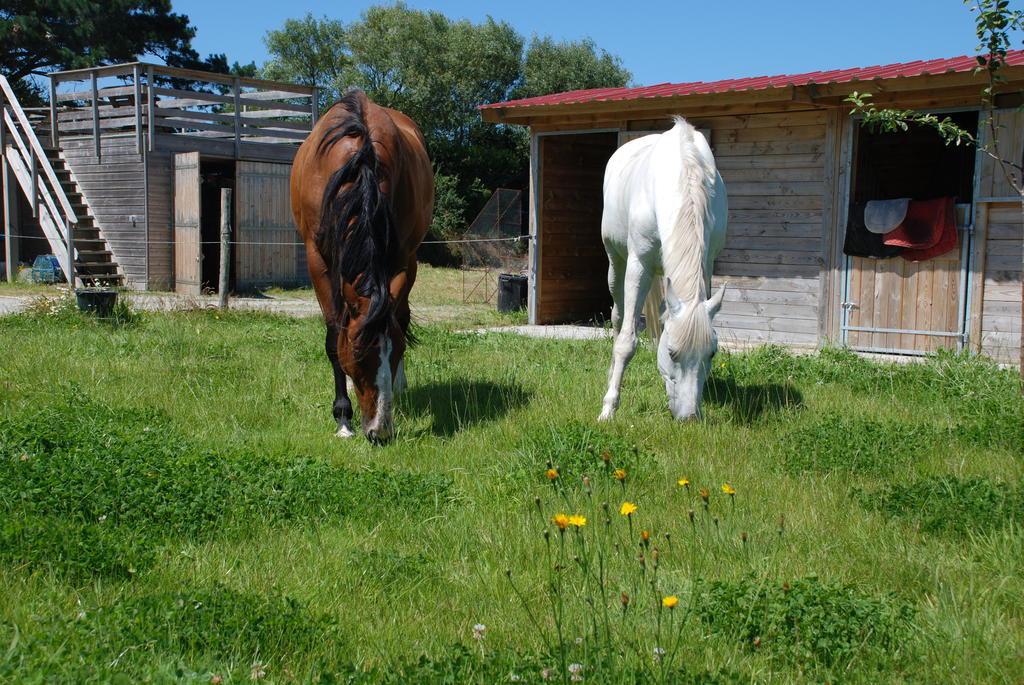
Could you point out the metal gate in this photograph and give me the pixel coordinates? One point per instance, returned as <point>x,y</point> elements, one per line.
<point>900,307</point>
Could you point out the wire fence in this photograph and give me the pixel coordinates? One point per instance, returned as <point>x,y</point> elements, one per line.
<point>298,243</point>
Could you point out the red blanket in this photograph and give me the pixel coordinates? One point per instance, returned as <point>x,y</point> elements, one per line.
<point>929,230</point>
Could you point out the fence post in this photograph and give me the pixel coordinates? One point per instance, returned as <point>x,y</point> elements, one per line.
<point>225,247</point>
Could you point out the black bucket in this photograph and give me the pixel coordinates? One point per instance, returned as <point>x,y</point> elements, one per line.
<point>98,302</point>
<point>511,293</point>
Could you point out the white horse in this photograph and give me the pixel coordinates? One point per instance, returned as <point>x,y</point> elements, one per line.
<point>664,213</point>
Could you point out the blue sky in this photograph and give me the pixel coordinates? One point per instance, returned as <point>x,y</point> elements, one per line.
<point>674,41</point>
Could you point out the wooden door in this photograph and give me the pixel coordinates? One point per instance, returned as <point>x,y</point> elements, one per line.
<point>268,246</point>
<point>572,267</point>
<point>893,305</point>
<point>188,253</point>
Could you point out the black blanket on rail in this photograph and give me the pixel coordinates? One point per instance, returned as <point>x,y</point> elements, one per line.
<point>860,242</point>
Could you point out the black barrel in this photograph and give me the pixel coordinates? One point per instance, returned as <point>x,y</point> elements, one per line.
<point>511,293</point>
<point>98,302</point>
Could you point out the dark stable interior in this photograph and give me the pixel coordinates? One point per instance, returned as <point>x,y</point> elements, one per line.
<point>916,163</point>
<point>216,174</point>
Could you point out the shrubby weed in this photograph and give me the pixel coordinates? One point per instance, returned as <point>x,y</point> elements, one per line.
<point>106,474</point>
<point>573,450</point>
<point>213,632</point>
<point>852,444</point>
<point>807,621</point>
<point>950,504</point>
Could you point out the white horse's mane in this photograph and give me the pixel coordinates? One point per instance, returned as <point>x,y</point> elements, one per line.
<point>682,252</point>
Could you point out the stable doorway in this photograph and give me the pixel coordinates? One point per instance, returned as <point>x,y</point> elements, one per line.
<point>891,304</point>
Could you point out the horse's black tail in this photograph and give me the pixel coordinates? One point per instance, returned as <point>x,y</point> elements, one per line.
<point>356,234</point>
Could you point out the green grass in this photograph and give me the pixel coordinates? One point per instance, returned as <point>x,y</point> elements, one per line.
<point>175,509</point>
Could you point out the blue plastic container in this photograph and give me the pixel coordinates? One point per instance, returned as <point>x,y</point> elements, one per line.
<point>46,269</point>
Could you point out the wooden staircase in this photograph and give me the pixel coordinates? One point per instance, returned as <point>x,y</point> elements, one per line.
<point>54,197</point>
<point>94,262</point>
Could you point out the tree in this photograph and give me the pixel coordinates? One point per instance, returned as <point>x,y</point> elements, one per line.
<point>309,51</point>
<point>552,67</point>
<point>438,70</point>
<point>994,24</point>
<point>38,36</point>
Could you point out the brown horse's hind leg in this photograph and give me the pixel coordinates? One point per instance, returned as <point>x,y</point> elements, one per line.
<point>342,408</point>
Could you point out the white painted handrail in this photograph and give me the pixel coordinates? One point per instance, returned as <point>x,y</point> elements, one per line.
<point>37,148</point>
<point>27,159</point>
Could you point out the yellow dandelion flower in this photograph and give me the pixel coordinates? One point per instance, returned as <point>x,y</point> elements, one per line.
<point>704,494</point>
<point>620,474</point>
<point>669,601</point>
<point>551,474</point>
<point>578,520</point>
<point>728,489</point>
<point>561,520</point>
<point>645,536</point>
<point>627,508</point>
<point>683,482</point>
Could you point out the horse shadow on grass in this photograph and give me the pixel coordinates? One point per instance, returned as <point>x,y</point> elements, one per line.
<point>750,403</point>
<point>462,403</point>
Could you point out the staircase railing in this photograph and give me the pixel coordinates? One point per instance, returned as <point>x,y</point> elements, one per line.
<point>25,156</point>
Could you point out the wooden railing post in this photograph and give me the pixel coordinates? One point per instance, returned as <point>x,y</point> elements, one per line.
<point>315,106</point>
<point>34,165</point>
<point>71,252</point>
<point>150,108</point>
<point>95,114</point>
<point>10,257</point>
<point>136,77</point>
<point>5,177</point>
<point>236,88</point>
<point>54,134</point>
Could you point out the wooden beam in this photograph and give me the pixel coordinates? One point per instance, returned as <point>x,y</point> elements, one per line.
<point>823,95</point>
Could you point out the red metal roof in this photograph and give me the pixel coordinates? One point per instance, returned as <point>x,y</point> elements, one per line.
<point>906,69</point>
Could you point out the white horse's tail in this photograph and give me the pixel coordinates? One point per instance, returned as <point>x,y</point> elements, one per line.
<point>683,248</point>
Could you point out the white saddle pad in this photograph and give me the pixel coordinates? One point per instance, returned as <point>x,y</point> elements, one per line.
<point>882,216</point>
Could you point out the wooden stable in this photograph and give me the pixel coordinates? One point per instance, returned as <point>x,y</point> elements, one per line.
<point>141,153</point>
<point>793,160</point>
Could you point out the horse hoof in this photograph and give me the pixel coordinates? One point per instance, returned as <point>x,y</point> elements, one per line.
<point>606,415</point>
<point>344,432</point>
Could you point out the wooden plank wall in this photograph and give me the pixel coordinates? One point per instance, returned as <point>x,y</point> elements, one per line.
<point>1001,304</point>
<point>774,167</point>
<point>115,189</point>
<point>267,250</point>
<point>1010,131</point>
<point>573,268</point>
<point>160,193</point>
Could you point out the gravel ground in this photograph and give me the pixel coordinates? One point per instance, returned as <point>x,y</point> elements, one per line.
<point>306,308</point>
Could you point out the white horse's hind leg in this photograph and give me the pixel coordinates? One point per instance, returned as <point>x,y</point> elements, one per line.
<point>616,274</point>
<point>635,287</point>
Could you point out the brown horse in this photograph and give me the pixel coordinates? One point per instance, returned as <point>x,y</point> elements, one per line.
<point>362,196</point>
